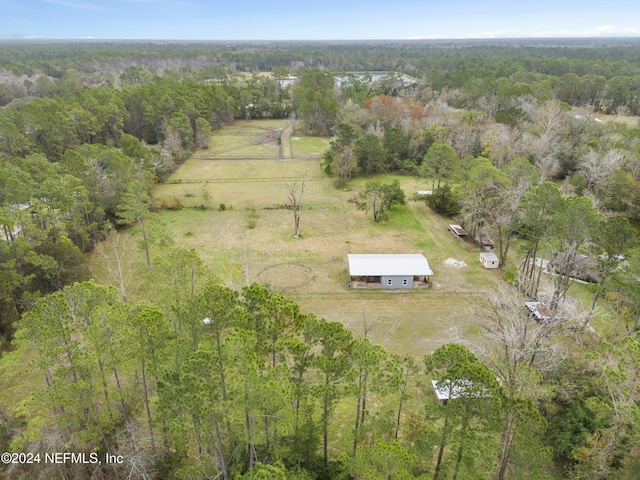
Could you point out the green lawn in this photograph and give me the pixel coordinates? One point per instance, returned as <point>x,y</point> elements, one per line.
<point>304,147</point>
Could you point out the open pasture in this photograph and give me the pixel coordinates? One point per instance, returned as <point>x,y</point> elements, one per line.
<point>252,240</point>
<point>213,174</point>
<point>308,147</point>
<point>246,139</point>
<point>313,271</point>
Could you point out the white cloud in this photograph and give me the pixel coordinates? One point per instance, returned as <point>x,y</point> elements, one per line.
<point>604,31</point>
<point>495,34</point>
<point>178,3</point>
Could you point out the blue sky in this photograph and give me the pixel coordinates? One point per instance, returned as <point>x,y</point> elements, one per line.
<point>316,19</point>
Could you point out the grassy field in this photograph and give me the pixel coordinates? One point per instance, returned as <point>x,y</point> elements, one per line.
<point>312,270</point>
<point>303,147</point>
<point>246,139</point>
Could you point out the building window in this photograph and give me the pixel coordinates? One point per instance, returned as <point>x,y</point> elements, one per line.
<point>389,281</point>
<point>405,282</point>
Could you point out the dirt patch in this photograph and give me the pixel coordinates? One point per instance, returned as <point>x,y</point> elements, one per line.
<point>286,277</point>
<point>452,262</point>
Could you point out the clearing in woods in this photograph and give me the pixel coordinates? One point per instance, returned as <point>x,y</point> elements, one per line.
<point>251,239</point>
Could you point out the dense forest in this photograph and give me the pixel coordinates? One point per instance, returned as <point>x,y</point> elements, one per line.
<point>204,381</point>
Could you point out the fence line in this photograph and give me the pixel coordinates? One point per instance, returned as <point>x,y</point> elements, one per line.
<point>213,159</point>
<point>236,180</point>
<point>423,292</point>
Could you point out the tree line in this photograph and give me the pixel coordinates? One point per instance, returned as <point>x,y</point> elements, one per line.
<point>600,74</point>
<point>437,142</point>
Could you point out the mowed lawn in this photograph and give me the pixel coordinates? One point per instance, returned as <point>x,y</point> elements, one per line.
<point>252,240</point>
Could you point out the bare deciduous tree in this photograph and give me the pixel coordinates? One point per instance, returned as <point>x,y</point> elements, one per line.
<point>343,166</point>
<point>517,338</point>
<point>135,446</point>
<point>552,119</point>
<point>115,251</point>
<point>547,168</point>
<point>597,167</point>
<point>519,349</point>
<point>466,140</point>
<point>295,192</point>
<point>500,144</point>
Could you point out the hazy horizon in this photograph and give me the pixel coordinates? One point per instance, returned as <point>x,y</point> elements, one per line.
<point>332,20</point>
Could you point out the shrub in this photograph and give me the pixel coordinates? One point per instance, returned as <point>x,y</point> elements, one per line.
<point>252,218</point>
<point>578,182</point>
<point>174,203</point>
<point>510,274</point>
<point>444,201</point>
<point>171,203</point>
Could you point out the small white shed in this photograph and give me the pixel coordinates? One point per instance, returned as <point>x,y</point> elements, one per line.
<point>447,390</point>
<point>489,260</point>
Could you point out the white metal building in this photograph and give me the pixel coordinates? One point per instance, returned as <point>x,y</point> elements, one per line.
<point>392,270</point>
